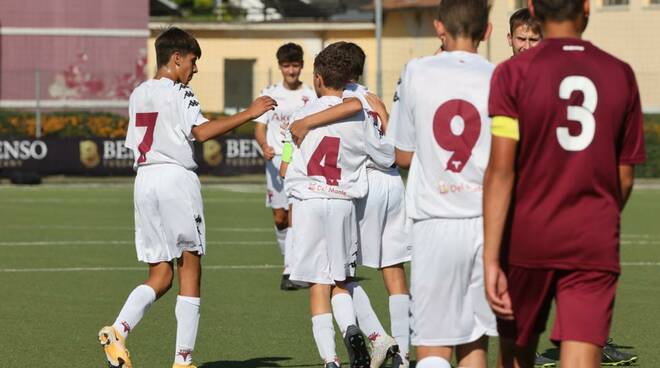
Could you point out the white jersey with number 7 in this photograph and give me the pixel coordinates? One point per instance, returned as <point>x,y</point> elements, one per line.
<point>162,114</point>
<point>331,161</point>
<point>442,116</point>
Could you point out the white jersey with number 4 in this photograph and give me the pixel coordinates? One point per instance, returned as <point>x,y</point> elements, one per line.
<point>162,114</point>
<point>331,161</point>
<point>442,116</point>
<point>288,102</point>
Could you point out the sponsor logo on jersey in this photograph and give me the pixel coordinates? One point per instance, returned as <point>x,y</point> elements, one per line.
<point>189,94</point>
<point>193,103</point>
<point>449,188</point>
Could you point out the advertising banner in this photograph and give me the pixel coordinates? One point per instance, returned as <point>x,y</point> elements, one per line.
<point>229,155</point>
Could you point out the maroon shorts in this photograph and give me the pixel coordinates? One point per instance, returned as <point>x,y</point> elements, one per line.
<point>584,300</point>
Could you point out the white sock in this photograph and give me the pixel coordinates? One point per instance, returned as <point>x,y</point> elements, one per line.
<point>137,303</point>
<point>187,320</point>
<point>280,235</point>
<point>433,362</point>
<point>343,310</point>
<point>366,316</point>
<point>400,321</point>
<point>324,335</point>
<point>288,251</point>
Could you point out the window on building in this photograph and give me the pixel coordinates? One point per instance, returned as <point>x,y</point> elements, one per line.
<point>615,2</point>
<point>654,2</point>
<point>517,4</point>
<point>238,84</point>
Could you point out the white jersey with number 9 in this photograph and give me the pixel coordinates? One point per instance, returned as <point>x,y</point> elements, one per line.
<point>442,116</point>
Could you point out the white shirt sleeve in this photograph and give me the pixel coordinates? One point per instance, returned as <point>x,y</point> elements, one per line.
<point>189,110</point>
<point>401,130</point>
<point>379,149</point>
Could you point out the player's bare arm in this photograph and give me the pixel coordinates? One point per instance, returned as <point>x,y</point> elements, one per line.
<point>218,127</point>
<point>260,136</point>
<point>346,109</point>
<point>498,186</point>
<point>403,158</point>
<point>626,178</point>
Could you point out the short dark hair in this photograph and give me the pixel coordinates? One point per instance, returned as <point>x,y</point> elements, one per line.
<point>465,18</point>
<point>558,10</point>
<point>523,17</point>
<point>357,56</point>
<point>333,64</point>
<point>174,40</point>
<point>289,52</point>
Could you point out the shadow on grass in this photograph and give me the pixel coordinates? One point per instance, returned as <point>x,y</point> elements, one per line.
<point>263,362</point>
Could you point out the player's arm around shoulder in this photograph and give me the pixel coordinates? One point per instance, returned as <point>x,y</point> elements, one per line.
<point>299,128</point>
<point>218,127</point>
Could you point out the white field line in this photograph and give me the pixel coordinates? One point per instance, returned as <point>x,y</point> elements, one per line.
<point>97,269</point>
<point>114,200</point>
<point>128,185</point>
<point>213,267</point>
<point>131,228</point>
<point>118,242</point>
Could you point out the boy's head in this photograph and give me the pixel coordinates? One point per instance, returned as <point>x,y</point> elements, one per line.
<point>332,68</point>
<point>290,61</point>
<point>178,51</point>
<point>463,19</point>
<point>524,31</point>
<point>576,11</point>
<point>357,56</point>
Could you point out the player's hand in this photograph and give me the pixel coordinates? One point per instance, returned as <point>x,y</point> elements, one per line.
<point>379,107</point>
<point>497,292</point>
<point>260,105</point>
<point>298,131</point>
<point>269,152</point>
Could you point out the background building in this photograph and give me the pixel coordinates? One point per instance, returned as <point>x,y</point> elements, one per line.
<point>239,57</point>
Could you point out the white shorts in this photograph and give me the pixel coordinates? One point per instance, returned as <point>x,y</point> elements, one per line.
<point>449,304</point>
<point>169,214</point>
<point>382,221</point>
<point>324,240</point>
<point>275,194</point>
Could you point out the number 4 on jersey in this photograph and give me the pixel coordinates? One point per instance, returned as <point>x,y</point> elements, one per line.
<point>146,119</point>
<point>324,161</point>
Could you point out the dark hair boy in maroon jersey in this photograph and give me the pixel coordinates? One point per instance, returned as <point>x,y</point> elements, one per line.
<point>567,132</point>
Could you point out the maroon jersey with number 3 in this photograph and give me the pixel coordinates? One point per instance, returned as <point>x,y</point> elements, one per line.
<point>580,117</point>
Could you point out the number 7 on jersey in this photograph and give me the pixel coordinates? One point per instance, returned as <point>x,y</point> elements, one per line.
<point>148,120</point>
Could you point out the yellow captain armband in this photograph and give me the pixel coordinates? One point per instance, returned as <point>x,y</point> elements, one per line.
<point>505,127</point>
<point>287,152</point>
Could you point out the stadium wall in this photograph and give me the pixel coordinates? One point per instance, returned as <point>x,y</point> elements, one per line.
<point>84,54</point>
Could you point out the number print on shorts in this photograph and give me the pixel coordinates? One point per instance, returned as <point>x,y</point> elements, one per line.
<point>582,114</point>
<point>324,161</point>
<point>146,119</point>
<point>456,128</point>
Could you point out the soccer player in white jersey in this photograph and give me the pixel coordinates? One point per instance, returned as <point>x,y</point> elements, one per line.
<point>165,118</point>
<point>291,94</point>
<point>442,132</point>
<point>326,175</point>
<point>381,219</point>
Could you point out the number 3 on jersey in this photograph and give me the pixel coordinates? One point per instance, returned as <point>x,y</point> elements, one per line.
<point>324,161</point>
<point>456,128</point>
<point>148,120</point>
<point>582,114</point>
